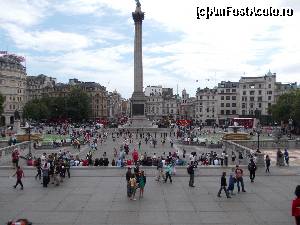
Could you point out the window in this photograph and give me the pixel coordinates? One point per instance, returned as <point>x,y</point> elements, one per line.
<point>233,112</point>
<point>227,97</point>
<point>227,90</point>
<point>227,104</point>
<point>259,105</point>
<point>207,110</point>
<point>269,86</point>
<point>244,86</point>
<point>269,98</point>
<point>222,97</point>
<point>233,104</point>
<point>259,86</point>
<point>252,86</point>
<point>252,92</point>
<point>259,92</point>
<point>251,105</point>
<point>222,91</point>
<point>259,99</point>
<point>227,112</point>
<point>233,90</point>
<point>269,92</point>
<point>243,112</point>
<point>222,104</point>
<point>233,97</point>
<point>200,97</point>
<point>243,105</point>
<point>222,112</point>
<point>244,92</point>
<point>252,99</point>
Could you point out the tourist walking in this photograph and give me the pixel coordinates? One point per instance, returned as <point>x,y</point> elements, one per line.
<point>142,183</point>
<point>286,156</point>
<point>296,206</point>
<point>159,167</point>
<point>268,163</point>
<point>191,172</point>
<point>168,172</point>
<point>15,158</point>
<point>38,169</point>
<point>20,175</point>
<point>223,186</point>
<point>239,178</point>
<point>252,168</point>
<point>231,182</point>
<point>128,176</point>
<point>133,186</point>
<point>45,172</point>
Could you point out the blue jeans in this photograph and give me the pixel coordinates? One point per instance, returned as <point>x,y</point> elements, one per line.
<point>238,181</point>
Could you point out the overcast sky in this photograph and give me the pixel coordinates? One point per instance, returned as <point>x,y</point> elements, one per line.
<point>92,40</point>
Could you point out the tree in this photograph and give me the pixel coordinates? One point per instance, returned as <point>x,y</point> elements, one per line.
<point>287,107</point>
<point>1,103</point>
<point>78,105</point>
<point>36,110</point>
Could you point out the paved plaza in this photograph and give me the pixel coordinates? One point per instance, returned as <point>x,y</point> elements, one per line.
<point>98,196</point>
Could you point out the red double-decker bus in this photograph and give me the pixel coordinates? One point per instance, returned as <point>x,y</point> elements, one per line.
<point>245,122</point>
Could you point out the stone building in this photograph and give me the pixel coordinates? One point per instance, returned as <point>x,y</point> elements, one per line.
<point>36,84</point>
<point>153,90</point>
<point>257,94</point>
<point>227,101</point>
<point>114,105</point>
<point>206,106</point>
<point>12,87</point>
<point>161,103</point>
<point>186,108</point>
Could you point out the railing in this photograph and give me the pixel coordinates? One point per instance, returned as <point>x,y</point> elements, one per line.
<point>282,143</point>
<point>5,153</point>
<point>247,153</point>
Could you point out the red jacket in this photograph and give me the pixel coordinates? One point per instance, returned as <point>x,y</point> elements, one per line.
<point>296,207</point>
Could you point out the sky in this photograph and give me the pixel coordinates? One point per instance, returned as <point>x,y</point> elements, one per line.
<point>92,40</point>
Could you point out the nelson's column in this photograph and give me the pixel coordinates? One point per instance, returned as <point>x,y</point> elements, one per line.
<point>138,100</point>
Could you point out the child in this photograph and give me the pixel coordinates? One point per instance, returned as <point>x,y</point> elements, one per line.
<point>231,182</point>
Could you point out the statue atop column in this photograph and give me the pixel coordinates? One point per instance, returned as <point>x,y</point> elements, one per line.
<point>138,4</point>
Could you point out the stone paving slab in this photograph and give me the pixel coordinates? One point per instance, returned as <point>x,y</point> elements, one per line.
<point>102,200</point>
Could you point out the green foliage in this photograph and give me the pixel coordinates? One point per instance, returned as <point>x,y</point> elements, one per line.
<point>1,103</point>
<point>76,106</point>
<point>287,106</point>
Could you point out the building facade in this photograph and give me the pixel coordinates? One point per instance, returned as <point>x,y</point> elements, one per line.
<point>161,103</point>
<point>114,105</point>
<point>206,107</point>
<point>12,87</point>
<point>36,84</point>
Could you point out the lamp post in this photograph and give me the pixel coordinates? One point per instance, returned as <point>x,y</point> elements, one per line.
<point>258,131</point>
<point>29,135</point>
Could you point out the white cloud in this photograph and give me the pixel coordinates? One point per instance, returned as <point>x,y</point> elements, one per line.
<point>218,49</point>
<point>22,12</point>
<point>49,40</point>
<point>77,7</point>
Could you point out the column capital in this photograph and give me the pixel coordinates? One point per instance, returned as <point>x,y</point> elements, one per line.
<point>138,16</point>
